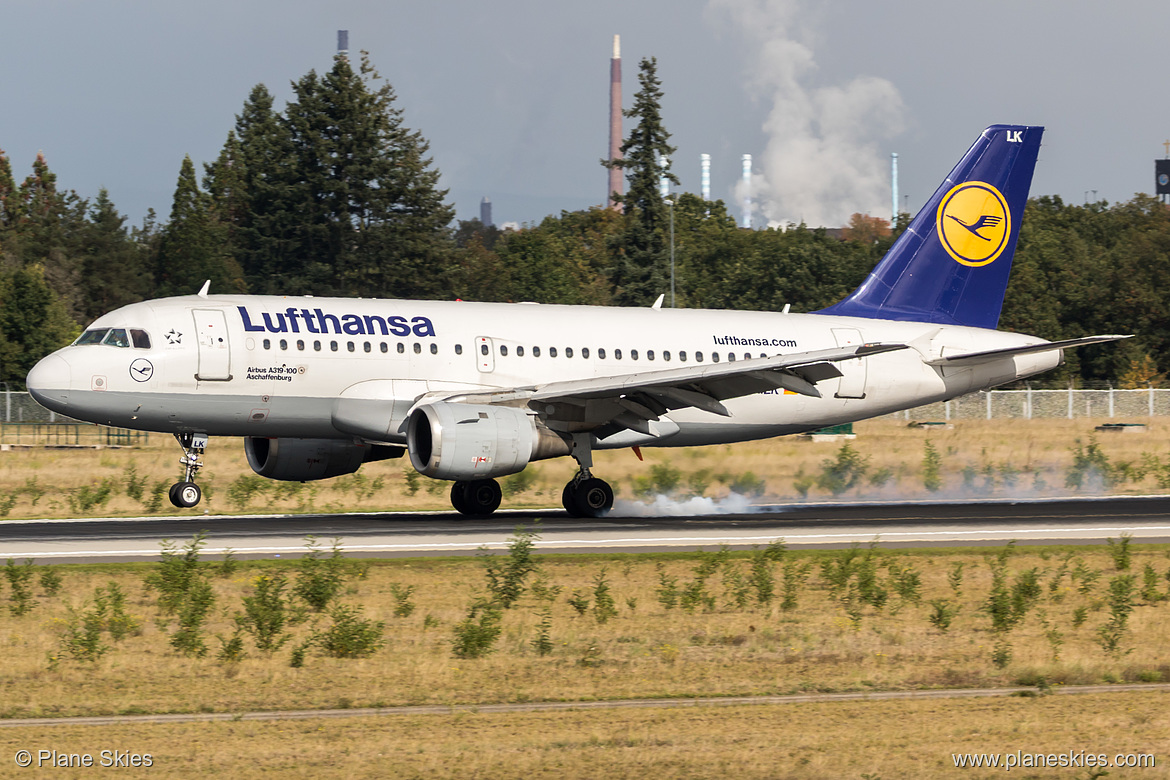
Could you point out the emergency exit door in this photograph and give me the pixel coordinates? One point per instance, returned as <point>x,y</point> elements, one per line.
<point>215,355</point>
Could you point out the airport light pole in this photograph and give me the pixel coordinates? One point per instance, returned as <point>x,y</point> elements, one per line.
<point>670,201</point>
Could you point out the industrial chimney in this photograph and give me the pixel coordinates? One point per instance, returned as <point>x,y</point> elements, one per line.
<point>615,123</point>
<point>747,191</point>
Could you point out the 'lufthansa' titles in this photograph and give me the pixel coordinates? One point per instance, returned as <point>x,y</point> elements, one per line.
<point>974,223</point>
<point>293,320</point>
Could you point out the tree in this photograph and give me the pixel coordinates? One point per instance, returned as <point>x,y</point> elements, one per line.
<point>640,272</point>
<point>192,247</point>
<point>369,216</point>
<point>114,265</point>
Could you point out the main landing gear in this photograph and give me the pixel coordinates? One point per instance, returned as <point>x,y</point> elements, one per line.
<point>476,498</point>
<point>186,494</point>
<point>586,495</point>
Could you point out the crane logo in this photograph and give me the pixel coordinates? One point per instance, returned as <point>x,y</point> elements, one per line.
<point>974,223</point>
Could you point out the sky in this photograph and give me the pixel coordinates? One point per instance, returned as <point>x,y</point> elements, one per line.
<point>513,95</point>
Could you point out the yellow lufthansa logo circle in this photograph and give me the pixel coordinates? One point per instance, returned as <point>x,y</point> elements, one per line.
<point>974,223</point>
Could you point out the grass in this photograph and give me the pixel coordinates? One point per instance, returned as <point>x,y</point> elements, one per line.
<point>910,739</point>
<point>975,458</point>
<point>833,640</point>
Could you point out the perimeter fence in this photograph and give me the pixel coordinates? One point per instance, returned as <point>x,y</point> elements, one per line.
<point>1031,404</point>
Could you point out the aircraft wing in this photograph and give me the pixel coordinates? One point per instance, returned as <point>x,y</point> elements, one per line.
<point>633,400</point>
<point>973,358</point>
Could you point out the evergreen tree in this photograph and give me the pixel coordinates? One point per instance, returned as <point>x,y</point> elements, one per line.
<point>114,266</point>
<point>641,271</point>
<point>192,247</point>
<point>369,217</point>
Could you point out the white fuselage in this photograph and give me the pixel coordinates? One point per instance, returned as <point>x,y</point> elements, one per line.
<point>268,366</point>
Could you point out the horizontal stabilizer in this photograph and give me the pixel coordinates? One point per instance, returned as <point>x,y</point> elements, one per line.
<point>973,358</point>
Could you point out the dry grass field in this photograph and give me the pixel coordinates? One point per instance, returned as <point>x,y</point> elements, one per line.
<point>976,458</point>
<point>913,739</point>
<point>858,629</point>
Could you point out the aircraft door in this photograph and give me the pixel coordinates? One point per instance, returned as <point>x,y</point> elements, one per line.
<point>485,353</point>
<point>853,372</point>
<point>214,350</point>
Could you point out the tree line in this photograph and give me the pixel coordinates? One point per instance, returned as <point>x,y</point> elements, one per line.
<point>335,195</point>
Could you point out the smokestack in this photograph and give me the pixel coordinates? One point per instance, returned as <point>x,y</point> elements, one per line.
<point>705,175</point>
<point>747,191</point>
<point>615,122</point>
<point>894,188</point>
<point>485,212</point>
<point>343,43</point>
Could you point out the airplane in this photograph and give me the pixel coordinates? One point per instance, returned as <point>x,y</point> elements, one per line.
<point>473,391</point>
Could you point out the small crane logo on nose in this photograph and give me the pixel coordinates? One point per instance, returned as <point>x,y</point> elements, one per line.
<point>141,370</point>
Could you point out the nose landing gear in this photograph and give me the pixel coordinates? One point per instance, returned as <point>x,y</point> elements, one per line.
<point>187,494</point>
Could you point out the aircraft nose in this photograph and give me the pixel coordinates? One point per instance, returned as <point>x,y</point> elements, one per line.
<point>49,381</point>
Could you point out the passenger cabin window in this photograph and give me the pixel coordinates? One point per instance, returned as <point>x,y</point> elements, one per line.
<point>649,354</point>
<point>300,345</point>
<point>666,355</point>
<point>140,338</point>
<point>401,348</point>
<point>332,346</point>
<point>504,350</point>
<point>698,357</point>
<point>633,354</point>
<point>284,344</point>
<point>519,351</point>
<point>417,348</point>
<point>585,352</point>
<point>366,346</point>
<point>458,349</point>
<point>536,352</point>
<point>552,351</point>
<point>434,348</point>
<point>316,346</point>
<point>617,354</point>
<point>601,353</point>
<point>682,356</point>
<point>568,352</point>
<point>349,346</point>
<point>267,344</point>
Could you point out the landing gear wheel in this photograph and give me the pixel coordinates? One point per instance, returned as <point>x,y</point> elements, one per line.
<point>458,491</point>
<point>588,498</point>
<point>479,497</point>
<point>185,494</point>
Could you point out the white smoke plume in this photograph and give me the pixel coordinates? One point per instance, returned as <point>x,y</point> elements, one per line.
<point>695,506</point>
<point>826,155</point>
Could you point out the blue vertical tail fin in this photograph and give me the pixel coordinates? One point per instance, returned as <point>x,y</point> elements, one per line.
<point>951,266</point>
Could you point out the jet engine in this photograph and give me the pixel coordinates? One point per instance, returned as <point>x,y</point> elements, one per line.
<point>472,442</point>
<point>301,460</point>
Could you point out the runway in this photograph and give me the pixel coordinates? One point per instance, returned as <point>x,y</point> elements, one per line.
<point>893,524</point>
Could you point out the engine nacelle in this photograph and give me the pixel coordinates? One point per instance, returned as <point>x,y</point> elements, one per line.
<point>469,441</point>
<point>302,460</point>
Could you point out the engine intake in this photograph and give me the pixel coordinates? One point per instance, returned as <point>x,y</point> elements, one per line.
<point>302,460</point>
<point>469,441</point>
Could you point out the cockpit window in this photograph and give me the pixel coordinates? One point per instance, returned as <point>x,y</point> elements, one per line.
<point>94,336</point>
<point>116,338</point>
<point>140,338</point>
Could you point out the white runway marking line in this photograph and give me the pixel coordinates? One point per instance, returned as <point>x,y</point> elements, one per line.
<point>669,542</point>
